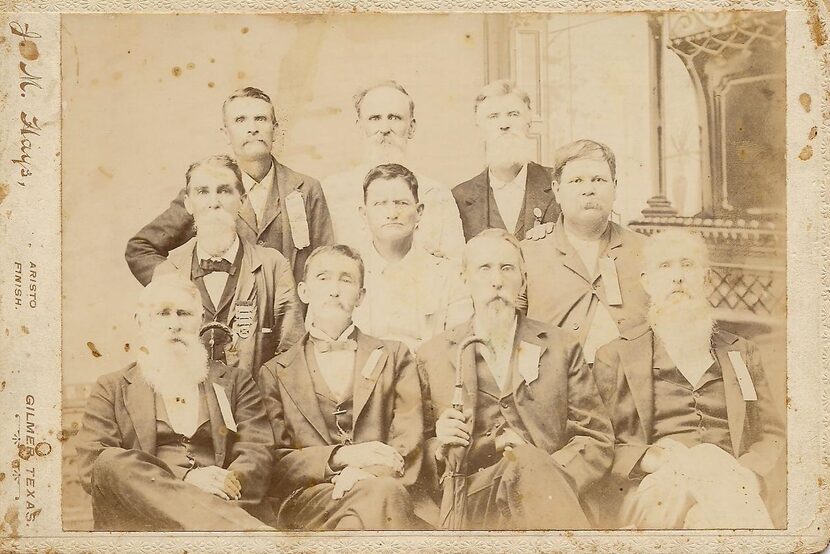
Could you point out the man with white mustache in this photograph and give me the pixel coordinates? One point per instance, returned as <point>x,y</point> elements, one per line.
<point>584,276</point>
<point>698,433</point>
<point>512,192</point>
<point>248,288</point>
<point>174,441</point>
<point>386,123</point>
<point>534,431</point>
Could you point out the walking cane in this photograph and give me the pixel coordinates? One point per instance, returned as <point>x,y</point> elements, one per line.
<point>212,326</point>
<point>454,479</point>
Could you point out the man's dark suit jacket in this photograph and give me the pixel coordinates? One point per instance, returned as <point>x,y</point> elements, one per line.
<point>560,409</point>
<point>386,407</point>
<point>120,414</point>
<point>478,210</point>
<point>624,373</point>
<point>174,227</point>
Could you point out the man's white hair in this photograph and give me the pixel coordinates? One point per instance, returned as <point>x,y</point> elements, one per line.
<point>163,287</point>
<point>691,244</point>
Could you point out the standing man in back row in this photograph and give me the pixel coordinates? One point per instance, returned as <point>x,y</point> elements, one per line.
<point>282,209</point>
<point>512,192</point>
<point>585,275</point>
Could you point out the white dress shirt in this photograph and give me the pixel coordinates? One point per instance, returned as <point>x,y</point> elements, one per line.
<point>498,359</point>
<point>336,366</point>
<point>257,192</point>
<point>509,197</point>
<point>182,411</point>
<point>215,282</point>
<point>411,299</point>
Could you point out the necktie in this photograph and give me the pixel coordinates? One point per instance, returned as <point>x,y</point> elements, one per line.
<point>324,346</point>
<point>209,266</point>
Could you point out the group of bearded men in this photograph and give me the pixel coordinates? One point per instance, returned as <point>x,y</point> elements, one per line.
<point>303,347</point>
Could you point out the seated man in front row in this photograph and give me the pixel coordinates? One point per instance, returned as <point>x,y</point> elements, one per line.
<point>173,441</point>
<point>533,431</point>
<point>697,429</point>
<point>346,412</point>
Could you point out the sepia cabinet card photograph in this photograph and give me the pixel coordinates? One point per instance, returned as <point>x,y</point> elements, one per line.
<point>437,276</point>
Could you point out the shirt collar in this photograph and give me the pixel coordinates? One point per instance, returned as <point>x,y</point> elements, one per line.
<point>479,332</point>
<point>377,263</point>
<point>520,180</point>
<point>230,253</point>
<point>248,182</point>
<point>317,334</point>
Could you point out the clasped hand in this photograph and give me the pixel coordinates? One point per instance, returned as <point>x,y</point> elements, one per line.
<point>217,481</point>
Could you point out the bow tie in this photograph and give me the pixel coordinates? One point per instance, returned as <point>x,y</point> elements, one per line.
<point>324,346</point>
<point>209,266</point>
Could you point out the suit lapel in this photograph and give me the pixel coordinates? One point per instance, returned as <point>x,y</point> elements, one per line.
<point>614,242</point>
<point>538,194</point>
<point>735,405</point>
<point>570,258</point>
<point>140,402</point>
<point>251,263</point>
<point>297,382</point>
<point>524,334</point>
<point>219,430</point>
<point>247,215</point>
<point>365,378</point>
<point>477,204</point>
<point>636,356</point>
<point>273,205</point>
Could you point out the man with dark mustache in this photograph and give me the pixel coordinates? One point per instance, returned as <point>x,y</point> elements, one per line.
<point>281,209</point>
<point>247,287</point>
<point>698,432</point>
<point>346,412</point>
<point>512,192</point>
<point>534,431</point>
<point>584,276</point>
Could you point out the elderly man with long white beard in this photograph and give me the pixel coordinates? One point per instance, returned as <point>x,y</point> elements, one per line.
<point>533,430</point>
<point>174,441</point>
<point>247,288</point>
<point>512,192</point>
<point>697,430</point>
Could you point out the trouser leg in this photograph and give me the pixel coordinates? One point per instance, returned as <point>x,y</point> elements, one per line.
<point>526,489</point>
<point>134,490</point>
<point>379,503</point>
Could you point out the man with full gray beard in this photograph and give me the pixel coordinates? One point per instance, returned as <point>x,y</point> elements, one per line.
<point>243,286</point>
<point>533,434</point>
<point>698,434</point>
<point>512,192</point>
<point>174,441</point>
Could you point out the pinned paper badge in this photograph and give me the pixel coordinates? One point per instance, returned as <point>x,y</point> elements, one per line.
<point>225,407</point>
<point>244,314</point>
<point>529,356</point>
<point>297,220</point>
<point>371,362</point>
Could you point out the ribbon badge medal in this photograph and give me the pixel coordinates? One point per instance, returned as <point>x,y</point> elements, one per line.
<point>244,315</point>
